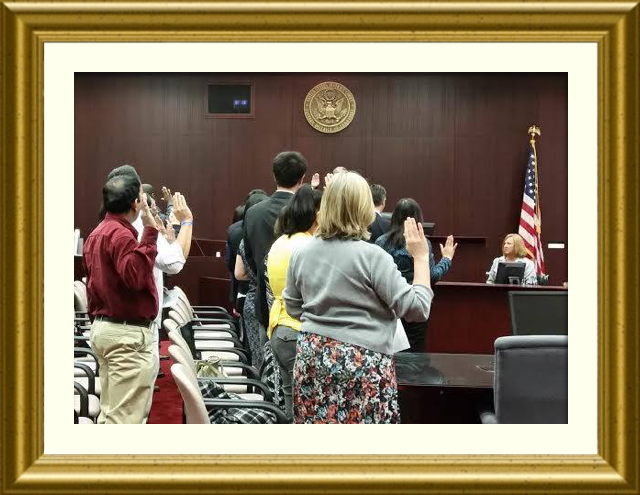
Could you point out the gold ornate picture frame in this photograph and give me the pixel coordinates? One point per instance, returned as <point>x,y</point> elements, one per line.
<point>27,25</point>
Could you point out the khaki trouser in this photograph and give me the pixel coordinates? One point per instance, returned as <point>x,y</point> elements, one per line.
<point>155,349</point>
<point>127,368</point>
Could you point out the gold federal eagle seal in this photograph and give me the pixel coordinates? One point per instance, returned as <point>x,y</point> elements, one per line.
<point>329,107</point>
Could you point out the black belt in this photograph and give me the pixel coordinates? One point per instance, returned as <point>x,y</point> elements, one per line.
<point>136,323</point>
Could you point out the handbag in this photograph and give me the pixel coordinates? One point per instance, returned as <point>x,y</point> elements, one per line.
<point>210,368</point>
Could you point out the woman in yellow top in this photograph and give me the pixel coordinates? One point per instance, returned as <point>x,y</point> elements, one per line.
<point>295,225</point>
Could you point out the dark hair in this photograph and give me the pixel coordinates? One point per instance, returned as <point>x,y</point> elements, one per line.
<point>254,200</point>
<point>379,194</point>
<point>406,208</point>
<point>125,169</point>
<point>300,213</point>
<point>288,168</point>
<point>119,193</point>
<point>238,214</point>
<point>117,172</point>
<point>147,189</point>
<point>256,191</point>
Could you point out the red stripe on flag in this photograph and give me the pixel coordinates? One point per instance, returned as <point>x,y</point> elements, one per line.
<point>529,213</point>
<point>528,209</point>
<point>528,227</point>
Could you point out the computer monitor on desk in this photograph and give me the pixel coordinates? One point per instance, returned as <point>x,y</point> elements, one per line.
<point>510,273</point>
<point>539,312</point>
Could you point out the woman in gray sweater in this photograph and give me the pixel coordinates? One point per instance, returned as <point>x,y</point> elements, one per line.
<point>348,294</point>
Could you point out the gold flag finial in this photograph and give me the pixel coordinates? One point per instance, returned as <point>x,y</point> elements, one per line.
<point>533,130</point>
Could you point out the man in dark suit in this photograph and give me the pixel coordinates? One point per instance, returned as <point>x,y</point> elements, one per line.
<point>381,224</point>
<point>289,168</point>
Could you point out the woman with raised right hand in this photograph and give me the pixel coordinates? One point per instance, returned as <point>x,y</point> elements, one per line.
<point>347,293</point>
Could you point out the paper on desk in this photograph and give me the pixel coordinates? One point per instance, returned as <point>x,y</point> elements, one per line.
<point>400,340</point>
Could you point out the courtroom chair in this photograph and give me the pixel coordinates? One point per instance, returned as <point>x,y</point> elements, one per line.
<point>86,405</point>
<point>80,296</point>
<point>181,315</point>
<point>81,321</point>
<point>203,316</point>
<point>226,354</point>
<point>87,378</point>
<point>233,369</point>
<point>183,296</point>
<point>245,387</point>
<point>88,357</point>
<point>201,312</point>
<point>207,339</point>
<point>210,322</point>
<point>81,329</point>
<point>81,406</point>
<point>530,381</point>
<point>197,409</point>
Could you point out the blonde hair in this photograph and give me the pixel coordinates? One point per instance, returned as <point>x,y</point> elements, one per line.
<point>518,244</point>
<point>346,210</point>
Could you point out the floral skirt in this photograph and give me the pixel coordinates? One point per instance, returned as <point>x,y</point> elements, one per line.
<point>335,382</point>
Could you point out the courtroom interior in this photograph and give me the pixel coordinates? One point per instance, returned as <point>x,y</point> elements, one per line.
<point>310,248</point>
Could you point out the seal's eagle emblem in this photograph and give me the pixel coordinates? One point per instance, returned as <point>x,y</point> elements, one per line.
<point>329,107</point>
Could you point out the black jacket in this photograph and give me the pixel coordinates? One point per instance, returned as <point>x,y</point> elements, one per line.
<point>379,226</point>
<point>258,224</point>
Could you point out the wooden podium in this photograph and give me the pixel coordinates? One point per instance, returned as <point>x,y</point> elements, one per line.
<point>466,318</point>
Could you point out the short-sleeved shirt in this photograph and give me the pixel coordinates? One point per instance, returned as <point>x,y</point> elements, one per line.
<point>277,265</point>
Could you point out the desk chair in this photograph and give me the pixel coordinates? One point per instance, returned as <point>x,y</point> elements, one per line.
<point>530,381</point>
<point>539,312</point>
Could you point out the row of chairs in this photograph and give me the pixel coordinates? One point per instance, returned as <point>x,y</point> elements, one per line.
<point>86,381</point>
<point>213,332</point>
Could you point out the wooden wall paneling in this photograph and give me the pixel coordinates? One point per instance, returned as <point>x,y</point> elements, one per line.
<point>553,174</point>
<point>454,142</point>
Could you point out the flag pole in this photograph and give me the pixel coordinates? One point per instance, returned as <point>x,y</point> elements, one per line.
<point>533,131</point>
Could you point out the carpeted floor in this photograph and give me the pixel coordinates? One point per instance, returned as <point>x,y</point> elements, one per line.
<point>167,403</point>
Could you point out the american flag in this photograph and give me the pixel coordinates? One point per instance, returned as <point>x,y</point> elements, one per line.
<point>530,222</point>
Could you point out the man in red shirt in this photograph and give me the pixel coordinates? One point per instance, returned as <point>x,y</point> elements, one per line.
<point>122,301</point>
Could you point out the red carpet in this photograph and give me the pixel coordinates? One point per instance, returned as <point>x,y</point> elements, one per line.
<point>166,407</point>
